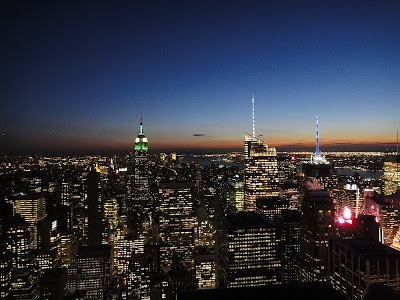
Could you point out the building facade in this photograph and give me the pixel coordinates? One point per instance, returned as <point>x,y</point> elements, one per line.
<point>140,188</point>
<point>358,263</point>
<point>248,251</point>
<point>177,222</point>
<point>260,173</point>
<point>316,230</point>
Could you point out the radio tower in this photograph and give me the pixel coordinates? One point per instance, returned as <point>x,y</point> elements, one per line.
<point>317,152</point>
<point>397,143</point>
<point>317,157</point>
<point>254,124</point>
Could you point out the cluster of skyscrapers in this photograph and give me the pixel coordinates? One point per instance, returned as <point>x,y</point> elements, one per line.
<point>143,226</point>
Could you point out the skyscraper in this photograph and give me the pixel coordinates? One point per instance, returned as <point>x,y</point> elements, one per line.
<point>140,192</point>
<point>391,176</point>
<point>32,207</point>
<point>260,173</point>
<point>261,169</point>
<point>95,215</point>
<point>316,231</point>
<point>289,224</point>
<point>177,222</point>
<point>248,250</point>
<point>91,267</point>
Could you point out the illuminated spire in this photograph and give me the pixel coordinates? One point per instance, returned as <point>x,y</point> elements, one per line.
<point>141,142</point>
<point>141,125</point>
<point>317,152</point>
<point>318,158</point>
<point>254,123</point>
<point>397,143</point>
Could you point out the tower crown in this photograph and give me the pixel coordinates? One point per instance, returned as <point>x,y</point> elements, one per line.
<point>141,142</point>
<point>318,158</point>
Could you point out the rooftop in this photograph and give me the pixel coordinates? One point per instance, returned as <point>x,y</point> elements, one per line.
<point>369,249</point>
<point>246,220</point>
<point>309,291</point>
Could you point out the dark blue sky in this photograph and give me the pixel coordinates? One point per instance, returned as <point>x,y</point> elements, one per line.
<point>76,76</point>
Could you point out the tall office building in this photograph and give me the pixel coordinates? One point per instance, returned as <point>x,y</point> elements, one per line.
<point>5,255</point>
<point>205,268</point>
<point>90,270</point>
<point>248,250</point>
<point>391,176</point>
<point>235,194</point>
<point>316,230</point>
<point>177,222</point>
<point>348,196</point>
<point>52,284</point>
<point>288,222</point>
<point>95,209</point>
<point>260,173</point>
<point>385,214</point>
<point>140,189</point>
<point>5,273</point>
<point>271,206</point>
<point>32,207</point>
<point>93,271</point>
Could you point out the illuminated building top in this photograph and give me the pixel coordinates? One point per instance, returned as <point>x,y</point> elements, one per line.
<point>255,147</point>
<point>318,158</point>
<point>141,140</point>
<point>396,241</point>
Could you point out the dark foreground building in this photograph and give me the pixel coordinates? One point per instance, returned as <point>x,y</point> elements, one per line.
<point>309,291</point>
<point>358,263</point>
<point>248,253</point>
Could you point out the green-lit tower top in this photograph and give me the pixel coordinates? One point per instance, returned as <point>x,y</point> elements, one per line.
<point>141,140</point>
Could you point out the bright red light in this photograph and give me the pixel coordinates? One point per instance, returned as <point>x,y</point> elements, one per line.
<point>347,213</point>
<point>347,217</point>
<point>293,157</point>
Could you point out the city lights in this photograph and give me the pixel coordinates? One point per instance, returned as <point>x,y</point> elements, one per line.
<point>187,200</point>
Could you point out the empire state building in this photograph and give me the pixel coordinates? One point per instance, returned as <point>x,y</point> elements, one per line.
<point>140,177</point>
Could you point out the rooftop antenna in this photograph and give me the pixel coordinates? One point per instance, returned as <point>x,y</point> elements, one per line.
<point>397,144</point>
<point>141,124</point>
<point>317,152</point>
<point>254,124</point>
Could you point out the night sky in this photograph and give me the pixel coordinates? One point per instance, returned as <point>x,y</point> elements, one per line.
<point>76,76</point>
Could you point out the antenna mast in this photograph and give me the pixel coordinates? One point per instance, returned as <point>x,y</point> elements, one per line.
<point>317,153</point>
<point>254,124</point>
<point>397,144</point>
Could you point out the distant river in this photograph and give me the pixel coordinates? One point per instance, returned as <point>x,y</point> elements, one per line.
<point>204,161</point>
<point>363,174</point>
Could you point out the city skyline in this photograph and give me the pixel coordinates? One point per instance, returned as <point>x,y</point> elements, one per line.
<point>76,78</point>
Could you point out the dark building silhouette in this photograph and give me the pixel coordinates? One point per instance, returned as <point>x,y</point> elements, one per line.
<point>317,229</point>
<point>289,226</point>
<point>358,263</point>
<point>90,270</point>
<point>95,215</point>
<point>52,284</point>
